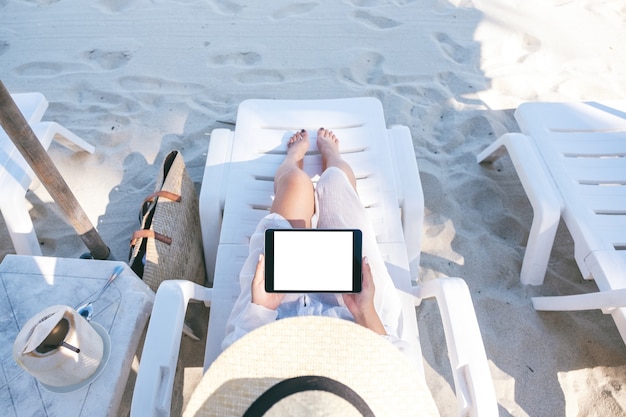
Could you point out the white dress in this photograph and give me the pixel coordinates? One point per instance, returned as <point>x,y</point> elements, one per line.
<point>337,207</point>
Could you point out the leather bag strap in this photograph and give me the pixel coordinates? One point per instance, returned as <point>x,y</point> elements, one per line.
<point>150,234</point>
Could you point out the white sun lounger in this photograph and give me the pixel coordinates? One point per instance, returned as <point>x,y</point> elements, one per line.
<point>16,176</point>
<point>571,161</point>
<point>236,193</point>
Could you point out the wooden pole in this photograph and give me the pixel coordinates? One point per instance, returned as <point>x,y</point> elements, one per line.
<point>26,142</point>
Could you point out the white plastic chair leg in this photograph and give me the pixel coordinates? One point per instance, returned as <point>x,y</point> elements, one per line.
<point>472,379</point>
<point>604,300</point>
<point>48,131</point>
<point>17,175</point>
<point>544,198</point>
<point>152,395</point>
<point>15,213</point>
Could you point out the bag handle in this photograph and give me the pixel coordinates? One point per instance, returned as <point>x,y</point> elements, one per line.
<point>146,207</point>
<point>145,233</point>
<point>164,194</point>
<point>292,386</point>
<point>149,203</point>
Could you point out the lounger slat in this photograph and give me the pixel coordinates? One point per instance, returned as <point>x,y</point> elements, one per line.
<point>596,170</point>
<point>590,144</point>
<point>607,205</point>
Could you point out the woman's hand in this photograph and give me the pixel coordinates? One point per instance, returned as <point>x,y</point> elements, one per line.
<point>259,295</point>
<point>361,304</point>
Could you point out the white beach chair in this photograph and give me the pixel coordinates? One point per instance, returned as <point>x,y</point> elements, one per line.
<point>236,193</point>
<point>571,161</point>
<point>16,176</point>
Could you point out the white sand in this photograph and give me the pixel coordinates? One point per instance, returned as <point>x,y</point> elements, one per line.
<point>138,78</point>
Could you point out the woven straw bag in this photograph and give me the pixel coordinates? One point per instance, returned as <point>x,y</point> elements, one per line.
<point>169,243</point>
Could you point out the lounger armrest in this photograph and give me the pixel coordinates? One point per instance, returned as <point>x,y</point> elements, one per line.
<point>152,394</point>
<point>48,131</point>
<point>212,194</point>
<point>543,195</point>
<point>472,379</point>
<point>410,193</point>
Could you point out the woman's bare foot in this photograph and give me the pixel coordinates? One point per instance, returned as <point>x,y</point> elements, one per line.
<point>294,198</point>
<point>297,147</point>
<point>328,145</point>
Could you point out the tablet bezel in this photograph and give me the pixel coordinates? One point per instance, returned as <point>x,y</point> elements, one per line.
<point>357,248</point>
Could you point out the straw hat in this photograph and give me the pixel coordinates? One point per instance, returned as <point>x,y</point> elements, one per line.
<point>59,367</point>
<point>321,366</point>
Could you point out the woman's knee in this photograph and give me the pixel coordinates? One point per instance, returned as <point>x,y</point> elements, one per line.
<point>293,181</point>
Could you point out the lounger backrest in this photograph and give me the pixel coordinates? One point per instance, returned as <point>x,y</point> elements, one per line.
<point>364,145</point>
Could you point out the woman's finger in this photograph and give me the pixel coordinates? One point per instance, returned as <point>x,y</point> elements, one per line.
<point>366,271</point>
<point>259,273</point>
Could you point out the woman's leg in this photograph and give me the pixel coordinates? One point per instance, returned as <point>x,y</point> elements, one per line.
<point>328,145</point>
<point>294,198</point>
<point>293,206</point>
<point>340,208</point>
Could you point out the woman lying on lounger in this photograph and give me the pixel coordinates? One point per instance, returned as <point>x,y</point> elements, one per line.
<point>333,204</point>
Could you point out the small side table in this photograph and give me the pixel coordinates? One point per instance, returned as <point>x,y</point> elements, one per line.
<point>28,284</point>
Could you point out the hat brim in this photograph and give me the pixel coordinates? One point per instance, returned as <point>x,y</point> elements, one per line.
<point>343,351</point>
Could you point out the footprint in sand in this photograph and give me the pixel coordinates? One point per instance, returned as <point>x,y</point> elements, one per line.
<point>366,69</point>
<point>150,84</point>
<point>364,3</point>
<point>242,59</point>
<point>425,101</point>
<point>48,69</point>
<point>4,47</point>
<point>376,22</point>
<point>451,49</point>
<point>530,45</point>
<point>519,47</point>
<point>120,6</point>
<point>476,127</point>
<point>226,6</point>
<point>294,10</point>
<point>456,84</point>
<point>106,102</point>
<point>114,6</point>
<point>376,3</point>
<point>274,76</point>
<point>260,77</point>
<point>108,60</point>
<point>43,2</point>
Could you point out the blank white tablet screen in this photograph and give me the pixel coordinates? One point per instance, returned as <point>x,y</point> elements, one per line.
<point>309,261</point>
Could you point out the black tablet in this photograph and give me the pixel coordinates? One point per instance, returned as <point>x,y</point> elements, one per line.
<point>313,260</point>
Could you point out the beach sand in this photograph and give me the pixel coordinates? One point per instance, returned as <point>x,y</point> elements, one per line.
<point>138,78</point>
